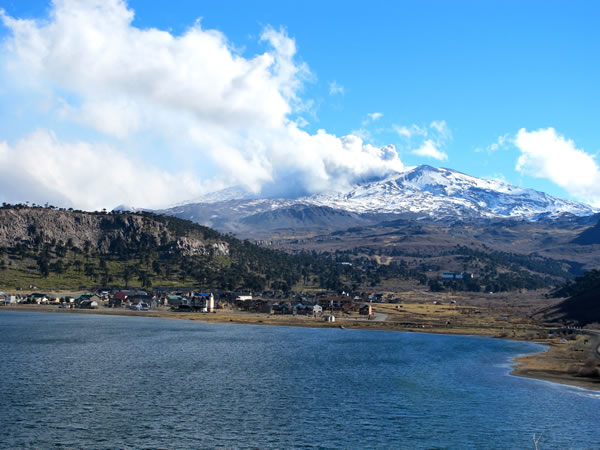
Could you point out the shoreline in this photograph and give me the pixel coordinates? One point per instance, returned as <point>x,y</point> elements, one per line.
<point>557,364</point>
<point>560,363</point>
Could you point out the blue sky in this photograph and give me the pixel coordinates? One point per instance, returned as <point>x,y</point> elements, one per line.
<point>493,89</point>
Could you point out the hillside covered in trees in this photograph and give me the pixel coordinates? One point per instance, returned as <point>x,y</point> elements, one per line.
<point>55,248</point>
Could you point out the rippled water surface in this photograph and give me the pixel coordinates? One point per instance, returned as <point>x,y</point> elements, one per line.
<point>72,380</point>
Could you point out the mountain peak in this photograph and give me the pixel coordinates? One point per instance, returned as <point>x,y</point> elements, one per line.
<point>442,192</point>
<point>422,191</point>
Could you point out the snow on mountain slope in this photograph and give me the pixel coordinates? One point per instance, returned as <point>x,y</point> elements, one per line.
<point>445,192</point>
<point>424,190</point>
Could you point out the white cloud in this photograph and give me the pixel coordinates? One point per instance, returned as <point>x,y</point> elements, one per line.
<point>84,175</point>
<point>371,117</point>
<point>441,130</point>
<point>114,118</point>
<point>547,154</point>
<point>409,132</point>
<point>497,177</point>
<point>429,140</point>
<point>191,98</point>
<point>430,149</point>
<point>501,143</point>
<point>362,133</point>
<point>335,88</point>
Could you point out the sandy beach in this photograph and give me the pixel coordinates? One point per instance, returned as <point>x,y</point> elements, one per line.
<point>564,362</point>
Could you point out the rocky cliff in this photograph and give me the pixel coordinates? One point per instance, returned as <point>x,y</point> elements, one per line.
<point>104,232</point>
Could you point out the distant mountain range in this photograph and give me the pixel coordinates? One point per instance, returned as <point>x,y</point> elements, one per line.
<point>423,192</point>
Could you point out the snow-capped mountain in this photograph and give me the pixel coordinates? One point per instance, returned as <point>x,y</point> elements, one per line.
<point>421,192</point>
<point>438,192</point>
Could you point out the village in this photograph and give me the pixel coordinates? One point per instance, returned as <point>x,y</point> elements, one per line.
<point>410,307</point>
<point>322,305</point>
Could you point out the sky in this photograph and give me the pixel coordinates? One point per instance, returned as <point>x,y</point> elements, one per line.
<point>150,103</point>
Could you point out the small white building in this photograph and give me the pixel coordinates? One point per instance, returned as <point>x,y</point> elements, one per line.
<point>141,306</point>
<point>317,309</point>
<point>210,306</point>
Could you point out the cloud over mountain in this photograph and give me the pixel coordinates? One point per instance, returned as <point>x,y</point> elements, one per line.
<point>145,102</point>
<point>547,154</point>
<point>432,138</point>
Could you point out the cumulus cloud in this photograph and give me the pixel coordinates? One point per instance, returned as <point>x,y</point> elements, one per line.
<point>41,166</point>
<point>191,98</point>
<point>335,88</point>
<point>547,154</point>
<point>430,149</point>
<point>430,139</point>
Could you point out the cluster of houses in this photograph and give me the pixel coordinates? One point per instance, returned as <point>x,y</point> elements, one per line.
<point>84,301</point>
<point>320,305</point>
<point>316,305</point>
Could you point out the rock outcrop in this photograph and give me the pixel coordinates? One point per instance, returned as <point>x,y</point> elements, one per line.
<point>101,231</point>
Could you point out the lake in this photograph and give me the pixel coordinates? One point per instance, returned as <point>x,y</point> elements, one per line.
<point>71,380</point>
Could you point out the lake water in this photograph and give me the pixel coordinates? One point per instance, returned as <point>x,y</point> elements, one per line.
<point>71,380</point>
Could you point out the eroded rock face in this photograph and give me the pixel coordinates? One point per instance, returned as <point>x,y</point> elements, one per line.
<point>28,224</point>
<point>190,247</point>
<point>221,248</point>
<point>100,232</point>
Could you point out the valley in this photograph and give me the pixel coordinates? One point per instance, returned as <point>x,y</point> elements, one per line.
<point>432,251</point>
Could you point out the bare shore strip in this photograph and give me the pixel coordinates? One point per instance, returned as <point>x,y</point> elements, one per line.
<point>563,362</point>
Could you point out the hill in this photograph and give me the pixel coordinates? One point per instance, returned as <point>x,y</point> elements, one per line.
<point>590,236</point>
<point>48,247</point>
<point>583,305</point>
<point>52,248</point>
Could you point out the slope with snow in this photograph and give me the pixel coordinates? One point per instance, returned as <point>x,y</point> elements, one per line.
<point>444,192</point>
<point>423,191</point>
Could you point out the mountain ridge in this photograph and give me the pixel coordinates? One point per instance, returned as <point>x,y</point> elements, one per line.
<point>423,192</point>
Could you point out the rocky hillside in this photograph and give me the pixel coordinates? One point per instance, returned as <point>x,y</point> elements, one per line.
<point>52,248</point>
<point>105,232</point>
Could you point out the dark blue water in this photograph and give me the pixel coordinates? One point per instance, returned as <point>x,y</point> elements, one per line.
<point>73,380</point>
